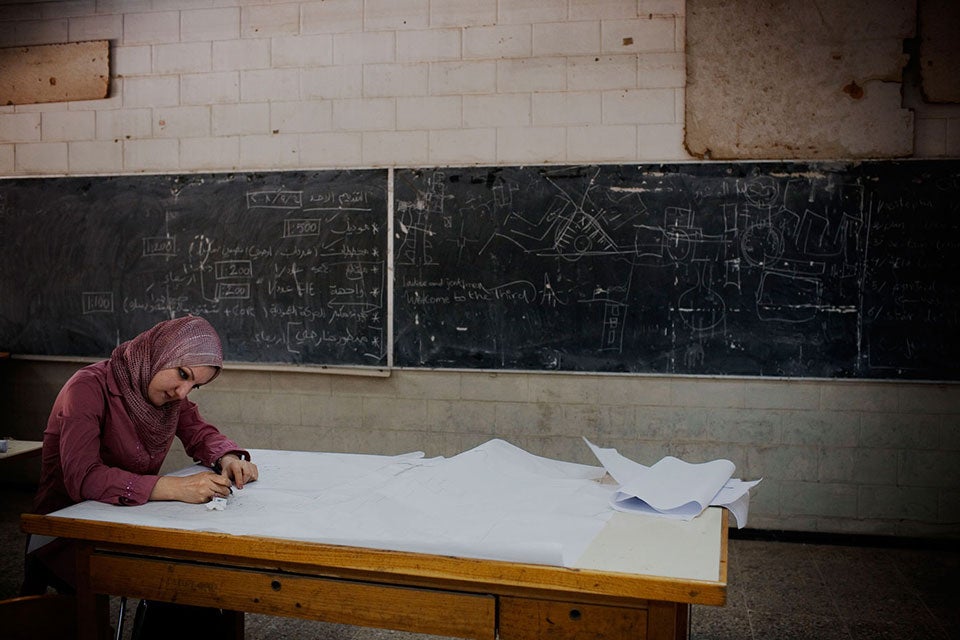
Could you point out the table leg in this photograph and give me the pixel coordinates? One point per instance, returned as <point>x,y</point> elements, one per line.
<point>93,610</point>
<point>668,621</point>
<point>235,624</point>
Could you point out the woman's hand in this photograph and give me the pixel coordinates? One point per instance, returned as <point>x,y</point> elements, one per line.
<point>198,488</point>
<point>240,471</point>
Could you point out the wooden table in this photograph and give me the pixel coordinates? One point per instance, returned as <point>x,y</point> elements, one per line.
<point>635,580</point>
<point>21,449</point>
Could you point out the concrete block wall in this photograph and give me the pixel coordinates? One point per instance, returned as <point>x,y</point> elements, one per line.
<point>216,85</point>
<point>280,85</point>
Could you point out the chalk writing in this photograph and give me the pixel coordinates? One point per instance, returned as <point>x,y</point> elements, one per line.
<point>97,301</point>
<point>275,199</point>
<point>233,290</point>
<point>161,246</point>
<point>233,269</point>
<point>293,228</point>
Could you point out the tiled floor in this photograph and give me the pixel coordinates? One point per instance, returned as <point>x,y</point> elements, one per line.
<point>777,591</point>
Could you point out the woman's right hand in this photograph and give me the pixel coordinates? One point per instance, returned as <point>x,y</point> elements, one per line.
<point>196,489</point>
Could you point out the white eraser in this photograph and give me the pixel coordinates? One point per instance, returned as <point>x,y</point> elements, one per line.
<point>218,504</point>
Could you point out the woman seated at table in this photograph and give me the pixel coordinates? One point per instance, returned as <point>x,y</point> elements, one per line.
<point>111,427</point>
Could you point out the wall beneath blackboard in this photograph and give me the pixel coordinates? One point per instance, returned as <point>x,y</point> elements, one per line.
<point>290,267</point>
<point>753,269</point>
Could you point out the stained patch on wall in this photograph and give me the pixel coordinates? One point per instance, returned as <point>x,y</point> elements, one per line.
<point>54,72</point>
<point>794,79</point>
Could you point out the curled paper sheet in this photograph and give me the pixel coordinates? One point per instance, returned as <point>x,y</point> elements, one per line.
<point>675,488</point>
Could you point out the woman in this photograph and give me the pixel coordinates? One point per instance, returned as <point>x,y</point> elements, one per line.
<point>112,425</point>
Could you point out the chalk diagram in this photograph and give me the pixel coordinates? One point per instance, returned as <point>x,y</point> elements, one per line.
<point>302,271</point>
<point>768,248</point>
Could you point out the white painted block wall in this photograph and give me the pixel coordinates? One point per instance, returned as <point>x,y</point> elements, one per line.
<point>343,83</point>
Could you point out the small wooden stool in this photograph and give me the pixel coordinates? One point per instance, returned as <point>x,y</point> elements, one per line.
<point>44,617</point>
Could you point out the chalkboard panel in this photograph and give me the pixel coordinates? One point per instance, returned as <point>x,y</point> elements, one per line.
<point>764,269</point>
<point>290,267</point>
<point>761,269</point>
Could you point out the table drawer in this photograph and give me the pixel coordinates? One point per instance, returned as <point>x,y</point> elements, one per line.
<point>436,612</point>
<point>527,619</point>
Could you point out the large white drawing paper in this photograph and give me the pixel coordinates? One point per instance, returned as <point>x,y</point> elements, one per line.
<point>675,488</point>
<point>495,501</point>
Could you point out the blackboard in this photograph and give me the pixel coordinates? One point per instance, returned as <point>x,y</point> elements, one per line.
<point>289,267</point>
<point>760,269</point>
<point>836,270</point>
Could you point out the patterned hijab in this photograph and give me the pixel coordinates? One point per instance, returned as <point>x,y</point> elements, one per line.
<point>181,342</point>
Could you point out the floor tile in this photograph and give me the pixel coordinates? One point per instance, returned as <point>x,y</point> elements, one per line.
<point>782,578</point>
<point>886,630</point>
<point>719,623</point>
<point>867,587</point>
<point>768,626</point>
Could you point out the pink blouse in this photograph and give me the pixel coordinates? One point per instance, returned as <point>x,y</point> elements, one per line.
<point>91,450</point>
